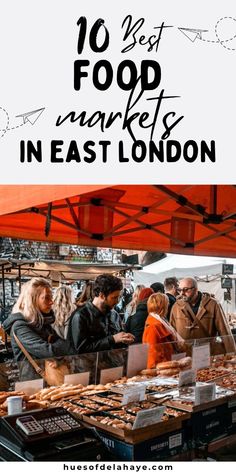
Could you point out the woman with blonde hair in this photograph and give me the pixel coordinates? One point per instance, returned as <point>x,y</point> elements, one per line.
<point>31,321</point>
<point>162,338</point>
<point>63,307</point>
<point>132,305</point>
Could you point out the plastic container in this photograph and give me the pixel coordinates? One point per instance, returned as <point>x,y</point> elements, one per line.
<point>14,405</point>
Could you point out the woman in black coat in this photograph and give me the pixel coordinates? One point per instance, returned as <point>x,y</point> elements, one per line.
<point>136,322</point>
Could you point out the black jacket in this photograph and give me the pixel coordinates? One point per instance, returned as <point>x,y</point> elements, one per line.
<point>90,330</point>
<point>172,300</point>
<point>35,340</point>
<point>135,323</point>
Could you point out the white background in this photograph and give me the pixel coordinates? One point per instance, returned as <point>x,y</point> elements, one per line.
<point>38,49</point>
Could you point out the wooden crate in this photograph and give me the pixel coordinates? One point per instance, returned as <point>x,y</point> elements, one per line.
<point>141,434</point>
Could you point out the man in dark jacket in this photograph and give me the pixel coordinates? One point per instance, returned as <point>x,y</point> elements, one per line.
<point>171,285</point>
<point>96,326</point>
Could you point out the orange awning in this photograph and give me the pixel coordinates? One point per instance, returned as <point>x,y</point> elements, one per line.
<point>188,219</point>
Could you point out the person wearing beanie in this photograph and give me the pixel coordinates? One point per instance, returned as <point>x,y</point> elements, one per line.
<point>135,323</point>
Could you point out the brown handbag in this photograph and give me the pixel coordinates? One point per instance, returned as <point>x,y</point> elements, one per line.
<point>54,370</point>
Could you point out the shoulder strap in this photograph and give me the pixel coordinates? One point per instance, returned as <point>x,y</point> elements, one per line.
<point>28,356</point>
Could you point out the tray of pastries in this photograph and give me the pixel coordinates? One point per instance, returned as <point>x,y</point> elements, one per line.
<point>210,373</point>
<point>229,381</point>
<point>120,421</point>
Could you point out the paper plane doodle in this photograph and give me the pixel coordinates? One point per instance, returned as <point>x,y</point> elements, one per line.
<point>31,116</point>
<point>192,33</point>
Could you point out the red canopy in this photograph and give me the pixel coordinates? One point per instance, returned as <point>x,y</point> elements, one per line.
<point>193,219</point>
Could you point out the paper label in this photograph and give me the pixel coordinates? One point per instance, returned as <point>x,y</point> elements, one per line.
<point>137,359</point>
<point>148,417</point>
<point>205,393</point>
<point>177,357</point>
<point>187,377</point>
<point>75,379</point>
<point>175,440</point>
<point>231,403</point>
<point>134,394</point>
<point>201,356</point>
<point>29,386</point>
<point>109,375</point>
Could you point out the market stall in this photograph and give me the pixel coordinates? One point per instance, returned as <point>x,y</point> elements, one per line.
<point>151,415</point>
<point>181,219</point>
<point>178,219</point>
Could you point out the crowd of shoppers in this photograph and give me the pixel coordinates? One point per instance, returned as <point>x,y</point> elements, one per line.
<point>50,327</point>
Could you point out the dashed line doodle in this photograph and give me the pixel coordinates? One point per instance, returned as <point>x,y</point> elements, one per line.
<point>221,29</point>
<point>28,117</point>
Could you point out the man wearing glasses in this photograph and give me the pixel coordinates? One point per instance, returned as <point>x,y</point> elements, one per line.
<point>198,315</point>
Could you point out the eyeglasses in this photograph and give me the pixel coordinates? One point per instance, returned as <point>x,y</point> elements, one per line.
<point>185,289</point>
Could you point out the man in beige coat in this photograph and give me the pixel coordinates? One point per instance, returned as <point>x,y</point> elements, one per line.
<point>198,315</point>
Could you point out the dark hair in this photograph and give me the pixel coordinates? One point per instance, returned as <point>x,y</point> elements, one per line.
<point>106,284</point>
<point>157,287</point>
<point>170,282</point>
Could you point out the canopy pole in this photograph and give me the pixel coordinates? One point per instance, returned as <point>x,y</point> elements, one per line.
<point>213,199</point>
<point>3,288</point>
<point>19,276</point>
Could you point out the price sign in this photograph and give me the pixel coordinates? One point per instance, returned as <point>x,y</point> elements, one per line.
<point>134,394</point>
<point>148,417</point>
<point>205,393</point>
<point>201,356</point>
<point>187,377</point>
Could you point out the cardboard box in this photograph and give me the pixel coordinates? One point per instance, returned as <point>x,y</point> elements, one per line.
<point>161,447</point>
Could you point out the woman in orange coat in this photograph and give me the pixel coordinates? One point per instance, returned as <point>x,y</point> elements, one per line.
<point>158,333</point>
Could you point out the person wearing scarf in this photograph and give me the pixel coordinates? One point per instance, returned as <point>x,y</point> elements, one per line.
<point>162,338</point>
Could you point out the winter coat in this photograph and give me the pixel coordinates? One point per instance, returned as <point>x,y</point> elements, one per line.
<point>135,323</point>
<point>62,330</point>
<point>90,330</point>
<point>35,341</point>
<point>212,322</point>
<point>160,342</point>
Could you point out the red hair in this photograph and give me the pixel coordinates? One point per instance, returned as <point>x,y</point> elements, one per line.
<point>145,293</point>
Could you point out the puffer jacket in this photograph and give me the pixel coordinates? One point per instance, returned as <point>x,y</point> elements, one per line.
<point>211,317</point>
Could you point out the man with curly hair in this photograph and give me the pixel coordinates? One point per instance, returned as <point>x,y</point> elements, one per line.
<point>96,326</point>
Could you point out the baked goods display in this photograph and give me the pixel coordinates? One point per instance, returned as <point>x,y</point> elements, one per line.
<point>114,422</point>
<point>206,375</point>
<point>106,401</point>
<point>169,372</point>
<point>159,388</point>
<point>228,381</point>
<point>227,361</point>
<point>171,368</point>
<point>124,417</point>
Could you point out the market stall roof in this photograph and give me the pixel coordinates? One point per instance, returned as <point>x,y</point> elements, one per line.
<point>185,219</point>
<point>59,271</point>
<point>180,266</point>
